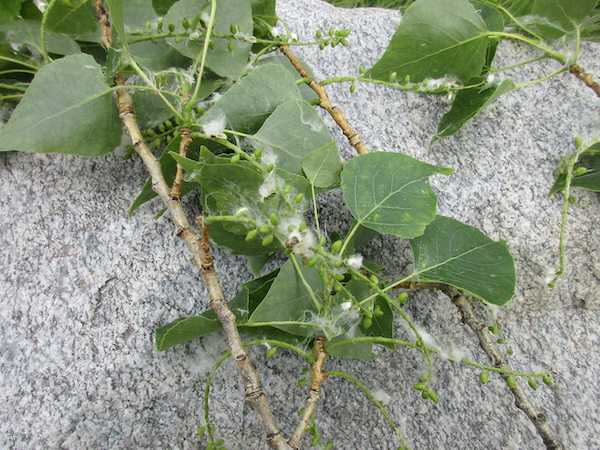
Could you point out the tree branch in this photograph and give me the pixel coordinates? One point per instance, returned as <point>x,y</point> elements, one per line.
<point>488,344</point>
<point>325,103</point>
<point>587,78</point>
<point>312,398</point>
<point>199,248</point>
<point>185,143</point>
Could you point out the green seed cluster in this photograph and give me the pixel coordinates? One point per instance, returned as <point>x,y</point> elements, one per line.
<point>333,38</point>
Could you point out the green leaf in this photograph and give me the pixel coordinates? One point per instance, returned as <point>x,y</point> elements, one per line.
<point>590,27</point>
<point>264,15</point>
<point>390,192</point>
<point>219,59</point>
<point>307,93</point>
<point>194,327</point>
<point>115,9</point>
<point>162,6</point>
<point>260,99</point>
<point>561,16</point>
<point>67,109</point>
<point>9,9</point>
<point>28,32</point>
<point>292,132</point>
<point>289,300</point>
<point>468,103</point>
<point>589,159</point>
<point>74,18</point>
<point>462,256</point>
<point>435,40</point>
<point>323,167</point>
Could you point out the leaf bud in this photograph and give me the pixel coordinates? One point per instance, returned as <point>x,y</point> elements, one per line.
<point>319,34</point>
<point>171,27</point>
<point>201,431</point>
<point>511,382</point>
<point>483,377</point>
<point>252,234</point>
<point>268,240</point>
<point>580,171</point>
<point>299,197</point>
<point>274,219</point>
<point>352,88</point>
<point>402,297</point>
<point>233,29</point>
<point>264,229</point>
<point>367,323</point>
<point>547,380</point>
<point>235,159</point>
<point>361,70</point>
<point>578,142</point>
<point>336,246</point>
<point>230,47</point>
<point>271,352</point>
<point>312,261</point>
<point>303,226</point>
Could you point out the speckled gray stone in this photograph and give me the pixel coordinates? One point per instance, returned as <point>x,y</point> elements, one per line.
<point>83,286</point>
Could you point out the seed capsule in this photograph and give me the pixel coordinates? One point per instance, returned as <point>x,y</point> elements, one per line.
<point>578,142</point>
<point>258,153</point>
<point>393,76</point>
<point>580,171</point>
<point>312,261</point>
<point>336,246</point>
<point>271,352</point>
<point>270,167</point>
<point>185,24</point>
<point>319,34</point>
<point>233,29</point>
<point>230,47</point>
<point>161,127</point>
<point>268,240</point>
<point>264,229</point>
<point>303,226</point>
<point>338,263</point>
<point>547,380</point>
<point>367,323</point>
<point>483,377</point>
<point>344,42</point>
<point>252,234</point>
<point>235,159</point>
<point>374,279</point>
<point>511,382</point>
<point>493,329</point>
<point>331,32</point>
<point>339,276</point>
<point>433,397</point>
<point>532,383</point>
<point>299,197</point>
<point>352,88</point>
<point>274,219</point>
<point>402,297</point>
<point>171,27</point>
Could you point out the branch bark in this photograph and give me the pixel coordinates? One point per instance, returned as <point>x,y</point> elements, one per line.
<point>488,344</point>
<point>199,248</point>
<point>314,392</point>
<point>324,102</point>
<point>586,77</point>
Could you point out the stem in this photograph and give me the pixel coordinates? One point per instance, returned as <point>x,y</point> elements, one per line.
<point>43,49</point>
<point>184,144</point>
<point>586,78</point>
<point>514,66</point>
<point>21,63</point>
<point>305,283</point>
<point>554,55</point>
<point>529,83</point>
<point>487,343</point>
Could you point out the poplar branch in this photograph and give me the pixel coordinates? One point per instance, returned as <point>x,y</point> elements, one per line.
<point>185,143</point>
<point>324,102</point>
<point>488,344</point>
<point>318,377</point>
<point>199,248</point>
<point>586,77</point>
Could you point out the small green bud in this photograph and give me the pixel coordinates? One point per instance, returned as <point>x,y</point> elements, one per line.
<point>199,110</point>
<point>352,88</point>
<point>230,47</point>
<point>367,323</point>
<point>532,383</point>
<point>169,138</point>
<point>578,142</point>
<point>337,287</point>
<point>315,440</point>
<point>339,276</point>
<point>302,383</point>
<point>511,382</point>
<point>402,297</point>
<point>344,33</point>
<point>299,197</point>
<point>331,32</point>
<point>319,34</point>
<point>258,153</point>
<point>264,229</point>
<point>561,170</point>
<point>547,380</point>
<point>185,23</point>
<point>148,24</point>
<point>201,431</point>
<point>483,377</point>
<point>393,76</point>
<point>344,42</point>
<point>425,395</point>
<point>374,279</point>
<point>303,226</point>
<point>271,352</point>
<point>338,263</point>
<point>419,387</point>
<point>329,445</point>
<point>361,70</point>
<point>433,397</point>
<point>233,29</point>
<point>336,246</point>
<point>580,171</point>
<point>270,167</point>
<point>312,261</point>
<point>572,200</point>
<point>510,351</point>
<point>268,240</point>
<point>493,329</point>
<point>171,27</point>
<point>406,79</point>
<point>161,127</point>
<point>322,241</point>
<point>368,314</point>
<point>423,378</point>
<point>334,42</point>
<point>300,412</point>
<point>377,312</point>
<point>274,219</point>
<point>321,46</point>
<point>235,159</point>
<point>211,44</point>
<point>287,188</point>
<point>501,341</point>
<point>159,25</point>
<point>252,234</point>
<point>288,251</point>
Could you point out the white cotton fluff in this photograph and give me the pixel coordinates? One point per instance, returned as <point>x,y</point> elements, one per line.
<point>382,396</point>
<point>275,32</point>
<point>272,182</point>
<point>302,241</point>
<point>346,306</point>
<point>215,127</point>
<point>355,261</point>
